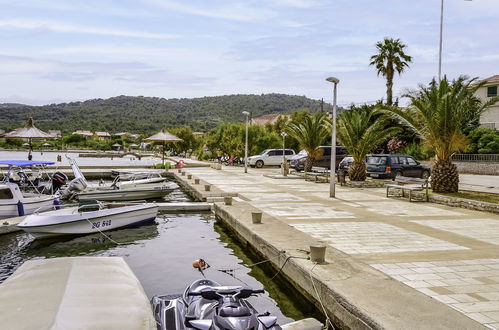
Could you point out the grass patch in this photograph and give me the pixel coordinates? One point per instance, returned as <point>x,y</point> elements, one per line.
<point>474,195</point>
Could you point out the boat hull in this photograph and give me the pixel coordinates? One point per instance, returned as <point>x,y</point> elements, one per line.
<point>11,210</point>
<point>126,194</point>
<point>64,223</point>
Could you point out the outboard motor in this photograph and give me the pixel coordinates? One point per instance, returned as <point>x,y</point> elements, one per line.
<point>59,179</point>
<point>76,185</point>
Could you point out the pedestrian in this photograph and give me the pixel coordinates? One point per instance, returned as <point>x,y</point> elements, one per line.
<point>30,153</point>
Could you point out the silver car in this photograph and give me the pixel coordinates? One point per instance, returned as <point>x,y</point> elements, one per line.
<point>270,157</point>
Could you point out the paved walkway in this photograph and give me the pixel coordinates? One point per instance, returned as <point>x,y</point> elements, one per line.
<point>449,254</point>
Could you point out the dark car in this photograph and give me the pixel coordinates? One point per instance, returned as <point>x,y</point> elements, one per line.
<point>390,166</point>
<point>323,159</point>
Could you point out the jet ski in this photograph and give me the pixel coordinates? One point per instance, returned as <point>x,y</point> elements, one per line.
<point>206,305</point>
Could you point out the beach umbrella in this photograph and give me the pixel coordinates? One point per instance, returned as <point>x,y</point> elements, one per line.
<point>163,137</point>
<point>29,132</point>
<point>46,145</point>
<point>133,145</point>
<point>116,145</point>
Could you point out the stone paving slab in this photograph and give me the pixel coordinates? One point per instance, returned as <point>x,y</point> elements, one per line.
<point>439,251</point>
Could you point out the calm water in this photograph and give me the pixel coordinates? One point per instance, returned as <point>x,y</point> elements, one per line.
<point>161,256</point>
<point>51,156</point>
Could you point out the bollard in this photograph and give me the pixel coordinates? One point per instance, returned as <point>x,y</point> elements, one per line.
<point>179,170</point>
<point>256,217</point>
<point>196,181</point>
<point>207,187</point>
<point>228,200</point>
<point>189,176</point>
<point>218,166</point>
<point>183,173</point>
<point>318,252</point>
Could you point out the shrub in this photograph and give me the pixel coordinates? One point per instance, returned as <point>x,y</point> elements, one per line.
<point>483,141</point>
<point>418,151</point>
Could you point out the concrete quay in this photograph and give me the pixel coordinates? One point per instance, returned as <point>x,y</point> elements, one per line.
<point>390,264</point>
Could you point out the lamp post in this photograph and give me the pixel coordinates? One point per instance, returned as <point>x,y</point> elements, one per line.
<point>332,171</point>
<point>284,167</point>
<point>246,113</point>
<point>441,40</point>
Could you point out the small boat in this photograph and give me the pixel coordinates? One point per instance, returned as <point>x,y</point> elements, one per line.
<point>88,218</point>
<point>79,188</point>
<point>128,194</point>
<point>14,202</point>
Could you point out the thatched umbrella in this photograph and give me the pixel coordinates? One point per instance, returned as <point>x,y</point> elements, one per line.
<point>29,132</point>
<point>116,145</point>
<point>163,137</point>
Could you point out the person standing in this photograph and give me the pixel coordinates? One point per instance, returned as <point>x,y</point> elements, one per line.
<point>30,153</point>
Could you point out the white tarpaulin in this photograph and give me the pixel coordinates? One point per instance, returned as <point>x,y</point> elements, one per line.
<point>74,293</point>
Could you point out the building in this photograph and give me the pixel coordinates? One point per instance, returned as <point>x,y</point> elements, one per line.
<point>101,136</point>
<point>55,133</point>
<point>490,118</point>
<point>268,119</point>
<point>123,135</point>
<point>84,133</point>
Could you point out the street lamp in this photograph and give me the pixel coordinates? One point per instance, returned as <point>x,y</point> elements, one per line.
<point>441,40</point>
<point>246,113</point>
<point>332,171</point>
<point>284,167</point>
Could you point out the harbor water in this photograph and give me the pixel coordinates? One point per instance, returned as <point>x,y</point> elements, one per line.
<point>161,256</point>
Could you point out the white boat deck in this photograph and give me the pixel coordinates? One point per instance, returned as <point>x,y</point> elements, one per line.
<point>75,293</point>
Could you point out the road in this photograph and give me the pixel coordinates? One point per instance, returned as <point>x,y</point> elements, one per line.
<point>484,183</point>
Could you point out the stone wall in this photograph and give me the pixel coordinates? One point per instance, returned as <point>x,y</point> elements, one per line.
<point>478,168</point>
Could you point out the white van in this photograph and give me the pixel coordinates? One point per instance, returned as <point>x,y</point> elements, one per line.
<point>270,157</point>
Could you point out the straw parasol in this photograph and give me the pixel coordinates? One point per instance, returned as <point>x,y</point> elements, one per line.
<point>116,145</point>
<point>163,137</point>
<point>29,132</point>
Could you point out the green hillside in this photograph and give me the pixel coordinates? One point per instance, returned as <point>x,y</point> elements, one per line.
<point>148,114</point>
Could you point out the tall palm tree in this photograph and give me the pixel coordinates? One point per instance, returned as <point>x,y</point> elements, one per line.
<point>360,130</point>
<point>310,132</point>
<point>390,58</point>
<point>439,114</point>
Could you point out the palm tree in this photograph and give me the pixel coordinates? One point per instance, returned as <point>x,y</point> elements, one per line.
<point>310,132</point>
<point>360,130</point>
<point>440,114</point>
<point>390,59</point>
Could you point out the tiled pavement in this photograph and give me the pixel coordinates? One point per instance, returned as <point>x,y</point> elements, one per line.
<point>449,254</point>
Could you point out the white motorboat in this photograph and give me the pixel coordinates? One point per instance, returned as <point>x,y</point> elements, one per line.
<point>80,188</point>
<point>14,203</point>
<point>86,219</point>
<point>129,194</point>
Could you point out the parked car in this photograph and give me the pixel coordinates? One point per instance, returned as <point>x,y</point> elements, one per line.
<point>390,166</point>
<point>322,160</point>
<point>345,164</point>
<point>292,160</point>
<point>270,157</point>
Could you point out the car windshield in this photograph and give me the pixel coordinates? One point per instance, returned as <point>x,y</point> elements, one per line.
<point>303,152</point>
<point>264,152</point>
<point>376,160</point>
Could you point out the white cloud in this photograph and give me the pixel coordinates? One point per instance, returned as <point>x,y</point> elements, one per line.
<point>70,28</point>
<point>229,11</point>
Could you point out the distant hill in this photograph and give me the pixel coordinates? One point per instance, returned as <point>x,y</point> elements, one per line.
<point>147,114</point>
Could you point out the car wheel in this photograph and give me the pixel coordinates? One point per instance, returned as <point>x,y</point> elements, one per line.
<point>425,175</point>
<point>259,164</point>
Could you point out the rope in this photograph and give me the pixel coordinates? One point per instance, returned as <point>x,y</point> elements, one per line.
<point>319,298</point>
<point>106,236</point>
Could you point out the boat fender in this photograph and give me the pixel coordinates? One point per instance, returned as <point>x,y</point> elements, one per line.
<point>56,204</point>
<point>20,208</point>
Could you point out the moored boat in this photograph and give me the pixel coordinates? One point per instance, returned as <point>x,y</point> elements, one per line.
<point>128,194</point>
<point>87,218</point>
<point>13,202</point>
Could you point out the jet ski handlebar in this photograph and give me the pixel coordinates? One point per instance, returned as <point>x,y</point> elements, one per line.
<point>217,294</point>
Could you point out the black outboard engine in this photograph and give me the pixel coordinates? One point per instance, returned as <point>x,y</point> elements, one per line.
<point>59,179</point>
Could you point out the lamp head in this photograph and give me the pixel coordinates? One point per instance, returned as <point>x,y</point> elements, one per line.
<point>333,80</point>
<point>246,113</point>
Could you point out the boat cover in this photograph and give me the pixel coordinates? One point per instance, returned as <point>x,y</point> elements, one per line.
<point>74,293</point>
<point>25,162</point>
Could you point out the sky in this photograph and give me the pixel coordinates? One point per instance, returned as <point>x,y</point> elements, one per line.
<point>61,51</point>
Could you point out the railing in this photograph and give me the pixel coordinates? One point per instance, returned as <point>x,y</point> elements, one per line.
<point>486,158</point>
